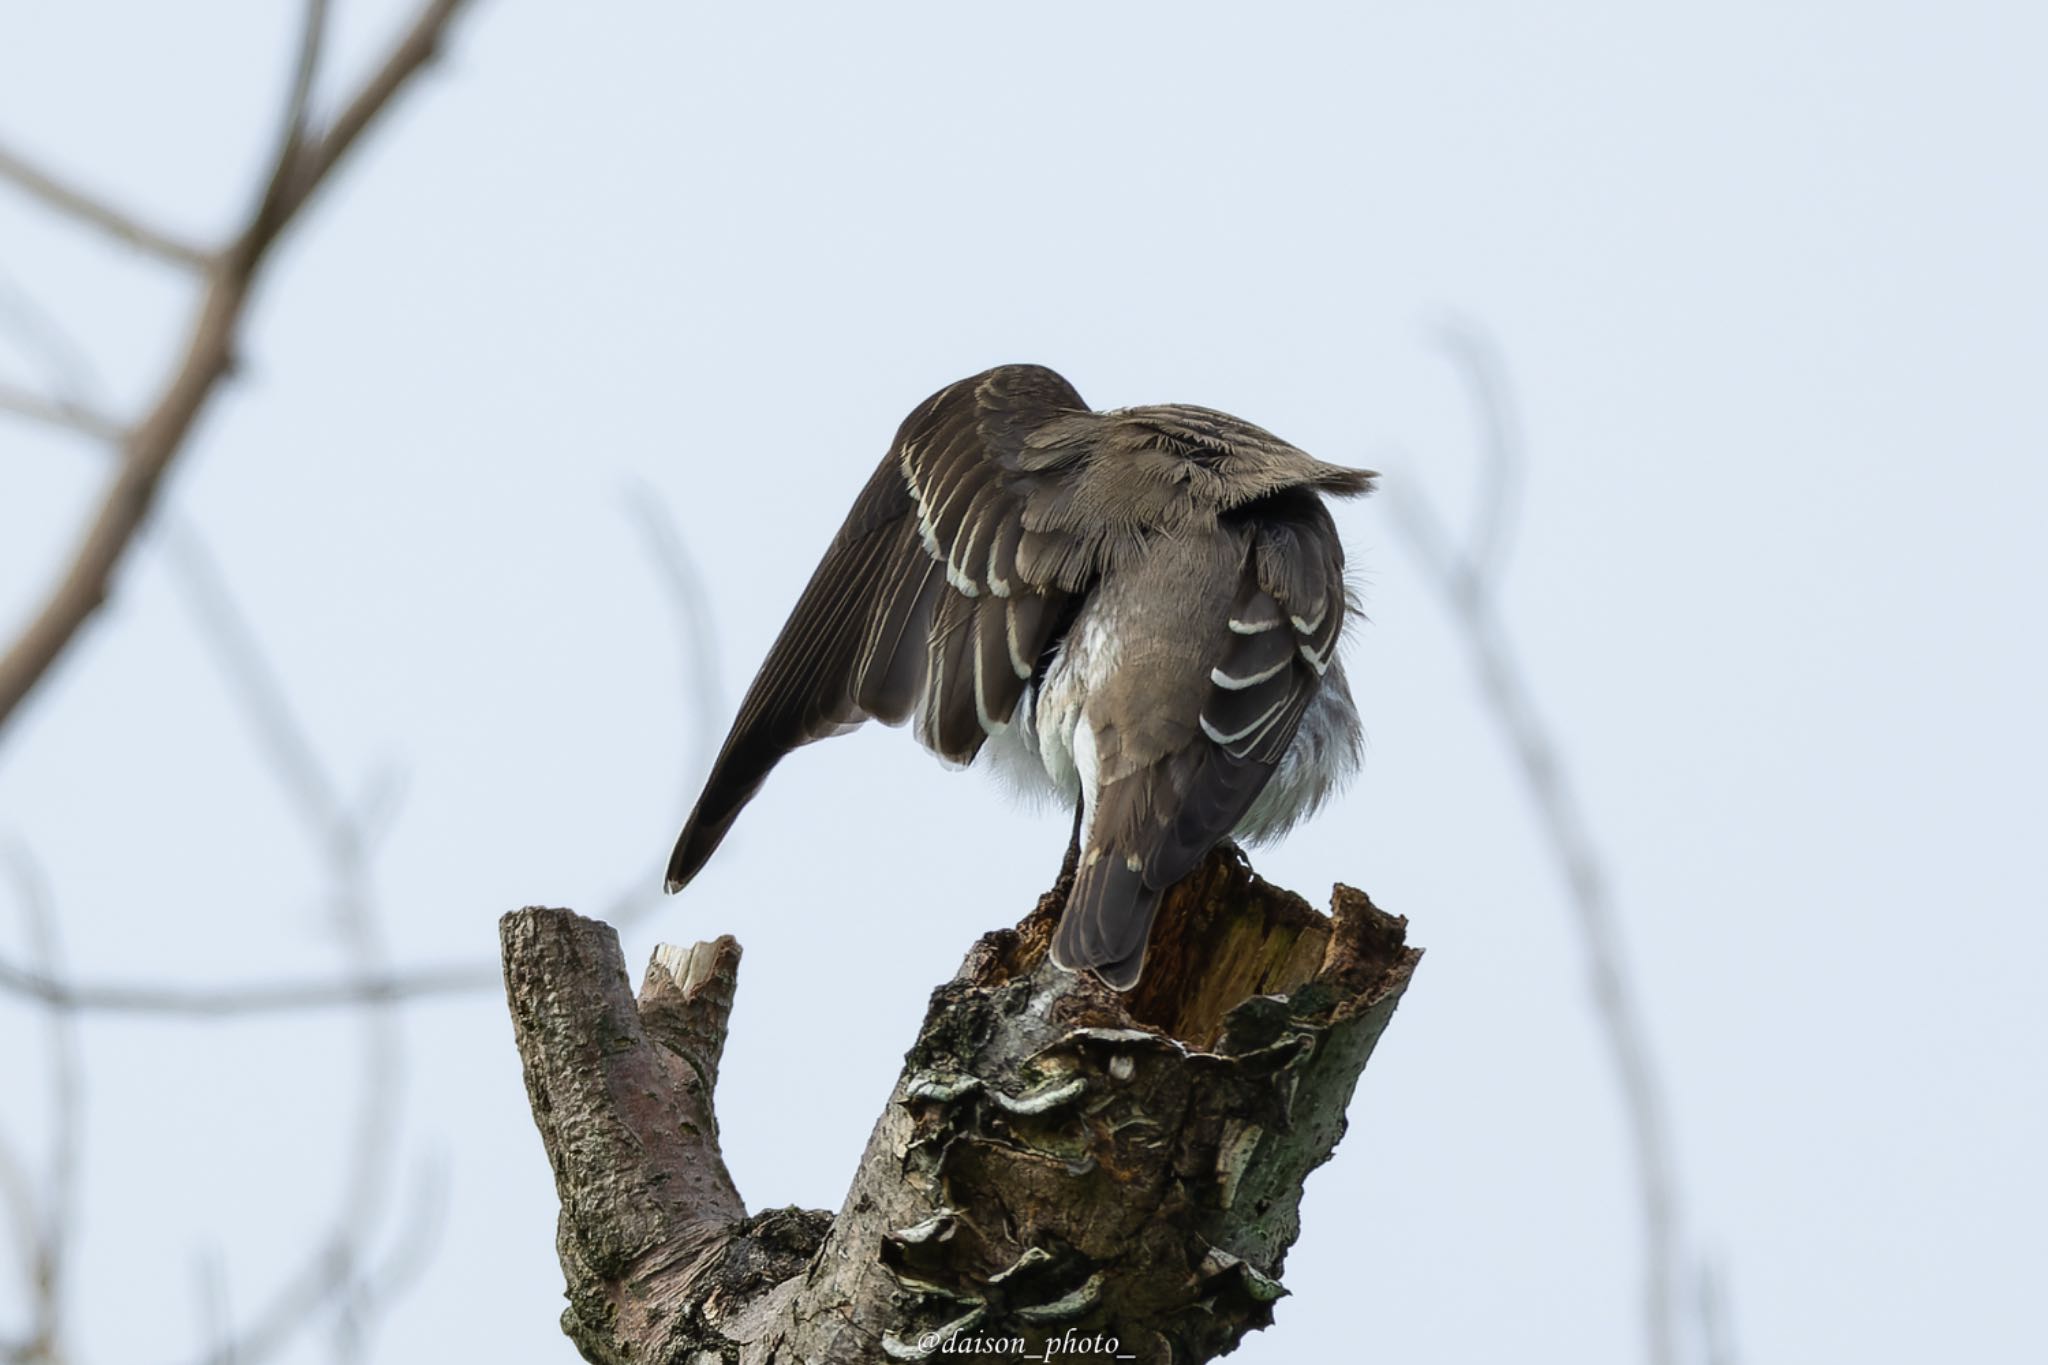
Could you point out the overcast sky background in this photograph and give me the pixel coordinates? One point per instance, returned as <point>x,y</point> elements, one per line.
<point>1770,282</point>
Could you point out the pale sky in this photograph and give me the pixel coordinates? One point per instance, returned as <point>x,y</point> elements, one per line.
<point>1770,284</point>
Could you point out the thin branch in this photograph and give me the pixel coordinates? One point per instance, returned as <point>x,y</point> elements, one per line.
<point>254,683</point>
<point>96,213</point>
<point>315,1285</point>
<point>160,436</point>
<point>24,1223</point>
<point>216,1311</point>
<point>1717,1330</point>
<point>292,128</point>
<point>338,1276</point>
<point>51,1224</point>
<point>1468,578</point>
<point>1500,486</point>
<point>379,1287</point>
<point>419,46</point>
<point>72,397</point>
<point>63,413</point>
<point>682,583</point>
<point>315,797</point>
<point>306,995</point>
<point>339,1273</point>
<point>697,635</point>
<point>334,1272</point>
<point>305,73</point>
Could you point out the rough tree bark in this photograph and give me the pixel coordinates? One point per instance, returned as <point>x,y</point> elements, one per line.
<point>1118,1176</point>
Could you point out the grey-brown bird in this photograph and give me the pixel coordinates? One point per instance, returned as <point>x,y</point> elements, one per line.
<point>1138,609</point>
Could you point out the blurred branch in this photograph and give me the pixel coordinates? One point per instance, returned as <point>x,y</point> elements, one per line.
<point>697,635</point>
<point>378,1287</point>
<point>45,1230</point>
<point>313,794</point>
<point>223,1002</point>
<point>690,605</point>
<point>96,213</point>
<point>216,1312</point>
<point>338,1276</point>
<point>148,449</point>
<point>42,337</point>
<point>341,1274</point>
<point>73,400</point>
<point>1500,487</point>
<point>24,1227</point>
<point>58,412</point>
<point>265,706</point>
<point>249,677</point>
<point>292,128</point>
<point>1468,577</point>
<point>1716,1332</point>
<point>420,44</point>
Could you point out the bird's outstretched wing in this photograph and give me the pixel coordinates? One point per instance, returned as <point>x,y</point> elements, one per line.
<point>935,602</point>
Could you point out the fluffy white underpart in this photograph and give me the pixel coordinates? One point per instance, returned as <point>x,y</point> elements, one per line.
<point>1047,756</point>
<point>1323,757</point>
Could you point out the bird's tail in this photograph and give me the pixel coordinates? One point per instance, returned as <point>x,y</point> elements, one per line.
<point>1107,920</point>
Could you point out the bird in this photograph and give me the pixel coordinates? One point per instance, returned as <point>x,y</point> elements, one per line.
<point>1136,610</point>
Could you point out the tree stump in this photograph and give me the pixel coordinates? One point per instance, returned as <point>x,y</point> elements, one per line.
<point>1062,1171</point>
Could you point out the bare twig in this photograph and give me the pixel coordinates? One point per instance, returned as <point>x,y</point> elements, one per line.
<point>254,683</point>
<point>50,1224</point>
<point>216,1310</point>
<point>72,399</point>
<point>324,1277</point>
<point>696,631</point>
<point>419,45</point>
<point>305,71</point>
<point>340,1276</point>
<point>156,440</point>
<point>216,1002</point>
<point>313,794</point>
<point>58,412</point>
<point>24,1229</point>
<point>697,634</point>
<point>43,338</point>
<point>316,798</point>
<point>98,214</point>
<point>1500,487</point>
<point>1717,1333</point>
<point>380,1286</point>
<point>1468,578</point>
<point>292,133</point>
<point>266,707</point>
<point>340,1273</point>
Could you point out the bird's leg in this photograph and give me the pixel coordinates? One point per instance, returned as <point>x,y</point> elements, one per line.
<point>1072,863</point>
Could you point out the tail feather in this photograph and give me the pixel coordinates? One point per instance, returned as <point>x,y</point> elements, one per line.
<point>1107,920</point>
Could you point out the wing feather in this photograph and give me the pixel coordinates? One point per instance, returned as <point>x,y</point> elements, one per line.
<point>1001,503</point>
<point>889,626</point>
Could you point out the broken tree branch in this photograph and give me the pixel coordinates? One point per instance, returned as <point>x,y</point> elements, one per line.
<point>1118,1173</point>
